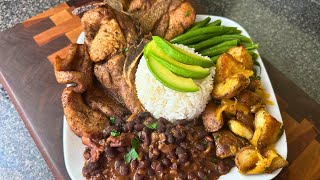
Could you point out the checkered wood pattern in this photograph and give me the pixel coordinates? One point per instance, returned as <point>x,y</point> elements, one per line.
<point>66,24</point>
<point>302,134</point>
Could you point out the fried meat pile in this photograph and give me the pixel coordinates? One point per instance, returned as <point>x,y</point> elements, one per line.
<point>100,73</point>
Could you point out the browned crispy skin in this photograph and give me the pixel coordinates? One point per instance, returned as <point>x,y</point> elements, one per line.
<point>82,120</point>
<point>102,101</point>
<point>110,75</point>
<point>108,32</point>
<point>180,19</point>
<point>76,68</point>
<point>165,18</point>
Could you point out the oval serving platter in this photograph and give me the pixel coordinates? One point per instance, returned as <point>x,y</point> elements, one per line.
<point>73,148</point>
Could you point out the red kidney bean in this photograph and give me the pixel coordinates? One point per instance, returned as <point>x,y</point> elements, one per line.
<point>192,176</point>
<point>119,121</point>
<point>154,153</point>
<point>157,166</point>
<point>182,122</point>
<point>161,127</point>
<point>138,127</point>
<point>200,146</point>
<point>163,120</point>
<point>137,176</point>
<point>110,152</point>
<point>90,168</point>
<point>134,164</point>
<point>166,162</point>
<point>123,170</point>
<point>144,164</point>
<point>171,139</point>
<point>201,174</point>
<point>150,172</point>
<point>182,175</point>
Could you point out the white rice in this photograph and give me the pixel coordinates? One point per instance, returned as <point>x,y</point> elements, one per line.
<point>164,102</point>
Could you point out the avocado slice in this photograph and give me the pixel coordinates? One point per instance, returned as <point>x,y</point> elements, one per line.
<point>189,71</point>
<point>167,78</point>
<point>180,54</point>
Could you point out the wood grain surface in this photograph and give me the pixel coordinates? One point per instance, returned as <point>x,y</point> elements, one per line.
<point>27,49</point>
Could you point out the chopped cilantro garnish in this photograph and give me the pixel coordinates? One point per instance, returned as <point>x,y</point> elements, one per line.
<point>187,13</point>
<point>126,49</point>
<point>112,120</point>
<point>152,125</point>
<point>135,143</point>
<point>216,137</point>
<point>115,133</point>
<point>205,143</point>
<point>131,155</point>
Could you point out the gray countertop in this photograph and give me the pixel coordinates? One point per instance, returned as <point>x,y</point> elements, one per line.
<point>287,30</point>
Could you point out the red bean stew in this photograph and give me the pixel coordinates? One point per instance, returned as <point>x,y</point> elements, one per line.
<point>148,148</point>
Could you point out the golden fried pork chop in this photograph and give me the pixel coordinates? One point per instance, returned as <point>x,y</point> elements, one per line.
<point>108,32</point>
<point>82,120</point>
<point>75,69</point>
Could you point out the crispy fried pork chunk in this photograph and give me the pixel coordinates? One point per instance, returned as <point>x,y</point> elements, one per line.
<point>82,120</point>
<point>108,32</point>
<point>165,18</point>
<point>75,69</point>
<point>101,100</point>
<point>110,75</point>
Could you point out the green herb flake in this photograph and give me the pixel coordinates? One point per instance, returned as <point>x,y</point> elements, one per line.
<point>126,49</point>
<point>205,143</point>
<point>187,13</point>
<point>216,137</point>
<point>130,156</point>
<point>115,133</point>
<point>135,143</point>
<point>206,178</point>
<point>112,120</point>
<point>153,125</point>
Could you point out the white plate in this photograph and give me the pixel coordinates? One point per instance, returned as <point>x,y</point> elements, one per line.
<point>73,148</point>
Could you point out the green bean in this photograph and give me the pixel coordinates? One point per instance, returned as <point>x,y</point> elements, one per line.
<point>253,54</point>
<point>215,58</point>
<point>200,24</point>
<point>251,46</point>
<point>215,23</point>
<point>217,51</point>
<point>227,43</point>
<point>217,40</point>
<point>237,31</point>
<point>197,32</point>
<point>197,39</point>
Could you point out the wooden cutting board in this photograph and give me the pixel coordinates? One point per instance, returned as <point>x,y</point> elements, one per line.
<point>27,49</point>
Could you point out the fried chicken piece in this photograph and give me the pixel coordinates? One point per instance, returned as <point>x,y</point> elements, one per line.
<point>76,68</point>
<point>108,32</point>
<point>82,120</point>
<point>110,75</point>
<point>101,100</point>
<point>180,19</point>
<point>165,18</point>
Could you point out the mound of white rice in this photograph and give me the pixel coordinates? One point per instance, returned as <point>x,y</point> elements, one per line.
<point>164,102</point>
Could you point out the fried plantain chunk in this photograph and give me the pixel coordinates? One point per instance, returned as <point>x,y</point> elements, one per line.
<point>230,87</point>
<point>226,66</point>
<point>82,120</point>
<point>242,55</point>
<point>267,130</point>
<point>240,129</point>
<point>250,161</point>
